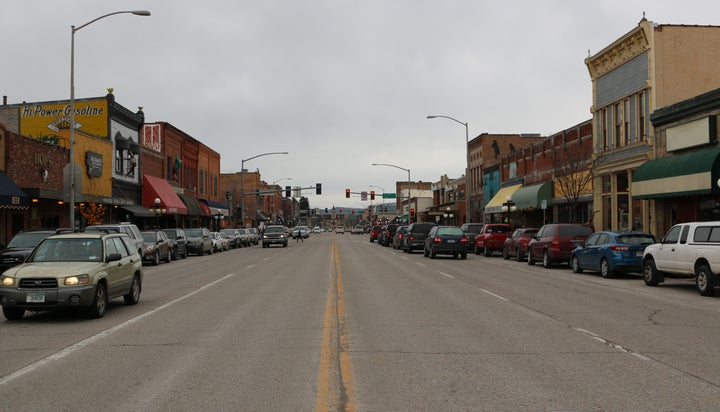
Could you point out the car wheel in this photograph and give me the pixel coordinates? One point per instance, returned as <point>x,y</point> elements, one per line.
<point>285,244</point>
<point>432,253</point>
<point>547,262</point>
<point>463,255</point>
<point>575,264</point>
<point>650,275</point>
<point>505,253</point>
<point>455,255</point>
<point>156,259</point>
<point>605,269</point>
<point>100,301</point>
<point>705,281</point>
<point>425,252</point>
<point>133,297</point>
<point>13,313</point>
<point>487,251</point>
<point>169,258</point>
<point>518,255</point>
<point>477,250</point>
<point>530,259</point>
<point>185,254</point>
<point>174,254</point>
<point>210,250</point>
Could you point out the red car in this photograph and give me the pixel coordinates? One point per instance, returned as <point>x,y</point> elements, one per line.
<point>374,233</point>
<point>517,244</point>
<point>555,242</point>
<point>491,237</point>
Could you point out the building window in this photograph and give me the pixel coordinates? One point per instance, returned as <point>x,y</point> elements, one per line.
<point>618,125</point>
<point>201,186</point>
<point>604,139</point>
<point>626,123</point>
<point>119,162</point>
<point>641,116</point>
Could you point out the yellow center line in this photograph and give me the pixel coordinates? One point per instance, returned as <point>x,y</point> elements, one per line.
<point>335,383</point>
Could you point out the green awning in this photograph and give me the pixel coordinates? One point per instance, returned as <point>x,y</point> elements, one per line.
<point>687,174</point>
<point>531,197</point>
<point>193,206</point>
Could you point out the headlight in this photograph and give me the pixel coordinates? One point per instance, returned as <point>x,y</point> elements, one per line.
<point>7,281</point>
<point>77,280</point>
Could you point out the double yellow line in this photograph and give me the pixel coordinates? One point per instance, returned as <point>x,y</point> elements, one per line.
<point>335,382</point>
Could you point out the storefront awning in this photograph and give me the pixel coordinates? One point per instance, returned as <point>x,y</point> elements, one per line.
<point>11,196</point>
<point>495,204</point>
<point>192,204</point>
<point>204,209</point>
<point>531,197</point>
<point>157,188</point>
<point>693,173</point>
<point>216,207</point>
<point>138,211</point>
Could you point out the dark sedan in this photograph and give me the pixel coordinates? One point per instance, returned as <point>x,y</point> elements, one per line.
<point>517,244</point>
<point>446,240</point>
<point>611,252</point>
<point>156,247</point>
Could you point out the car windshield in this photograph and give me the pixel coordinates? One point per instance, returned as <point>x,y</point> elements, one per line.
<point>474,228</point>
<point>68,250</point>
<point>193,232</point>
<point>456,231</point>
<point>274,229</point>
<point>27,240</point>
<point>149,237</point>
<point>570,231</point>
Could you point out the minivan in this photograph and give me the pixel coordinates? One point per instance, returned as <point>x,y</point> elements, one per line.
<point>555,242</point>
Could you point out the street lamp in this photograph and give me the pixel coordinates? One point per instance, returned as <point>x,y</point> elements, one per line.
<point>242,183</point>
<point>508,206</point>
<point>284,178</point>
<point>468,203</point>
<point>158,210</point>
<point>73,29</point>
<point>218,220</point>
<point>408,171</point>
<point>448,216</point>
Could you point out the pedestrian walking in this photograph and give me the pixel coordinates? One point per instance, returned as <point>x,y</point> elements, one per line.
<point>299,237</point>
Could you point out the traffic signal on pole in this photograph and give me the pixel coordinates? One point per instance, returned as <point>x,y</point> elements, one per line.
<point>372,195</point>
<point>287,191</point>
<point>318,188</point>
<point>347,193</point>
<point>412,212</point>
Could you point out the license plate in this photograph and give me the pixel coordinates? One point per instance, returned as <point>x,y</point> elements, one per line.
<point>639,253</point>
<point>35,298</point>
<point>451,240</point>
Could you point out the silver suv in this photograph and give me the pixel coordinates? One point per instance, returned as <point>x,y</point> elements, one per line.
<point>274,234</point>
<point>81,270</point>
<point>124,227</point>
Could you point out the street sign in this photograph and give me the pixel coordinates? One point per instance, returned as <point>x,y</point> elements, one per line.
<point>363,195</point>
<point>389,196</point>
<point>543,204</point>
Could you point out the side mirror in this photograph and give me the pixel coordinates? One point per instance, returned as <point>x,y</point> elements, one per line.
<point>114,257</point>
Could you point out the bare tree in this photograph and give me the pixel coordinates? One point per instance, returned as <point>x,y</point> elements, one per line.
<point>573,173</point>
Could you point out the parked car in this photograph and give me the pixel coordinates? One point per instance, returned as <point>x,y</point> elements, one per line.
<point>517,244</point>
<point>386,236</point>
<point>156,247</point>
<point>688,250</point>
<point>232,237</point>
<point>398,237</point>
<point>253,236</point>
<point>220,242</point>
<point>610,252</point>
<point>274,235</point>
<point>178,243</point>
<point>374,233</point>
<point>471,230</point>
<point>340,230</point>
<point>199,241</point>
<point>555,242</point>
<point>417,232</point>
<point>20,247</point>
<point>447,240</point>
<point>244,237</point>
<point>491,238</point>
<point>128,228</point>
<point>82,270</point>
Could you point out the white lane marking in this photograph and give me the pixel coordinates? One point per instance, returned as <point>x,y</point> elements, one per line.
<point>420,264</point>
<point>495,294</point>
<point>266,259</point>
<point>446,275</point>
<point>610,344</point>
<point>92,339</point>
<point>249,266</point>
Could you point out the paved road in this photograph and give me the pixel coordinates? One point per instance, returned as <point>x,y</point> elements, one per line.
<point>338,323</point>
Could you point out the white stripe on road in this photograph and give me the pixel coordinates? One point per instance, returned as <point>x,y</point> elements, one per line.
<point>92,339</point>
<point>446,275</point>
<point>496,295</point>
<point>610,344</point>
<point>420,264</point>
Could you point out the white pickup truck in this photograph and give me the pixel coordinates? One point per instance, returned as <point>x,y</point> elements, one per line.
<point>687,250</point>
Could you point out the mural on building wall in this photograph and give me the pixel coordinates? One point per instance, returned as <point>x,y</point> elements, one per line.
<point>46,120</point>
<point>491,179</point>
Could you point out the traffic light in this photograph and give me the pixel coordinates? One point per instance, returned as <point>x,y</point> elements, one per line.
<point>347,193</point>
<point>372,195</point>
<point>318,188</point>
<point>412,212</point>
<point>287,191</point>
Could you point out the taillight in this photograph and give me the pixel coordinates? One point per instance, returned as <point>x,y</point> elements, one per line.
<point>463,240</point>
<point>618,248</point>
<point>400,236</point>
<point>411,237</point>
<point>437,239</point>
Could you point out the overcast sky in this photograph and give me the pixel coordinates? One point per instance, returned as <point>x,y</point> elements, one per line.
<point>338,84</point>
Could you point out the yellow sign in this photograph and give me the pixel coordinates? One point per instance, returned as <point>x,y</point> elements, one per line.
<point>46,120</point>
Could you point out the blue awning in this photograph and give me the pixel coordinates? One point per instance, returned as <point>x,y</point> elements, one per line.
<point>11,196</point>
<point>216,207</point>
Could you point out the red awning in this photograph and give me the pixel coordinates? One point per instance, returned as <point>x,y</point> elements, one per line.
<point>155,187</point>
<point>205,209</point>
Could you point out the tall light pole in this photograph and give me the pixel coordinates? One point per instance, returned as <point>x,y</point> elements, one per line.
<point>284,178</point>
<point>242,182</point>
<point>408,171</point>
<point>73,29</point>
<point>468,186</point>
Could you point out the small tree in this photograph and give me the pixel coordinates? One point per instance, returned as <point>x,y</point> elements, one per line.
<point>573,174</point>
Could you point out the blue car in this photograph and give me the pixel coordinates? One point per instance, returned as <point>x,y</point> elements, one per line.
<point>611,252</point>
